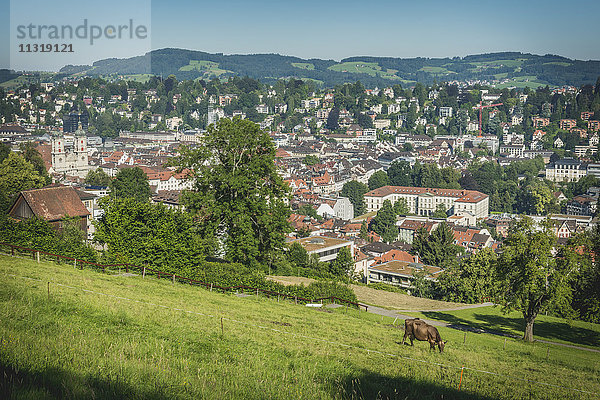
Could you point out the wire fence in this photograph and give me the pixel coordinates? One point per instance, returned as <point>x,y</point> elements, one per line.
<point>36,254</point>
<point>460,369</point>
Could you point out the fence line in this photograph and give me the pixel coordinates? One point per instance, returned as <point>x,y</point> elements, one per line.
<point>317,339</point>
<point>144,270</point>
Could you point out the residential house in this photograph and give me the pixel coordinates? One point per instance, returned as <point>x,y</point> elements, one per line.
<point>52,204</point>
<point>326,248</point>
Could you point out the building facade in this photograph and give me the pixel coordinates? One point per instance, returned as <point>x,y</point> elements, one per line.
<point>70,161</point>
<point>424,201</point>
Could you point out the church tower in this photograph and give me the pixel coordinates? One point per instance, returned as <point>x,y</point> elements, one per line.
<point>80,149</point>
<point>59,158</point>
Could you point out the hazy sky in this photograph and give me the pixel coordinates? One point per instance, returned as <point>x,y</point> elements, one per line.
<point>329,29</point>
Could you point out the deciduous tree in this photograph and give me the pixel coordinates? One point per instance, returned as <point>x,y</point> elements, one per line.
<point>238,195</point>
<point>17,174</point>
<point>378,179</point>
<point>131,183</point>
<point>532,278</point>
<point>355,192</point>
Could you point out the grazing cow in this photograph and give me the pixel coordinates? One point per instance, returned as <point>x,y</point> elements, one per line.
<point>420,330</point>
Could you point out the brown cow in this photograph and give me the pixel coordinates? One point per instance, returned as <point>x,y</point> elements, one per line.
<point>420,330</point>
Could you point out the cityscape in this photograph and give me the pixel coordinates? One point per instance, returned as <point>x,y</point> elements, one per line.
<point>189,224</point>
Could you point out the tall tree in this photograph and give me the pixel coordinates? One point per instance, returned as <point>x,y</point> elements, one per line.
<point>343,265</point>
<point>97,177</point>
<point>131,183</point>
<point>16,174</point>
<point>384,223</point>
<point>437,248</point>
<point>237,192</point>
<point>401,207</point>
<point>333,118</point>
<point>378,179</point>
<point>399,174</point>
<point>298,256</point>
<point>355,192</point>
<point>532,278</point>
<point>472,280</point>
<point>4,151</point>
<point>30,153</point>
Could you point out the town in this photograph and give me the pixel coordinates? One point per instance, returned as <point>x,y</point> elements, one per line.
<point>379,172</point>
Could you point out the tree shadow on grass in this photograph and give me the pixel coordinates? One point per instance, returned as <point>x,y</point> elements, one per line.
<point>57,383</point>
<point>505,325</point>
<point>370,385</point>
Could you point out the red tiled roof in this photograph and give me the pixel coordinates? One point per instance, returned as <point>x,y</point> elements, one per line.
<point>463,195</point>
<point>54,203</point>
<point>395,254</point>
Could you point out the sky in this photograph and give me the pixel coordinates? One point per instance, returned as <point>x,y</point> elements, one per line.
<point>328,29</point>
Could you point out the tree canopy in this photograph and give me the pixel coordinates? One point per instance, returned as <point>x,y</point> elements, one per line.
<point>355,192</point>
<point>97,177</point>
<point>131,183</point>
<point>17,174</point>
<point>531,276</point>
<point>238,195</point>
<point>437,248</point>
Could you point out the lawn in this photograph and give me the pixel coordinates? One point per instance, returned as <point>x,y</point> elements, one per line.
<point>436,70</point>
<point>500,63</point>
<point>105,336</point>
<point>546,327</point>
<point>208,68</point>
<point>308,66</point>
<point>369,68</point>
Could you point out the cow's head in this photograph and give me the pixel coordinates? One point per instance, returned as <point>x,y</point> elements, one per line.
<point>441,345</point>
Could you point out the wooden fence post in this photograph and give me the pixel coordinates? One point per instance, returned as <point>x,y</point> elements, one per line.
<point>173,279</point>
<point>48,290</point>
<point>37,256</point>
<point>465,338</point>
<point>295,299</point>
<point>211,287</point>
<point>144,272</point>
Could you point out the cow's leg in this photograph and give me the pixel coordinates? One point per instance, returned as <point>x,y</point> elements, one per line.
<point>432,345</point>
<point>404,337</point>
<point>411,337</point>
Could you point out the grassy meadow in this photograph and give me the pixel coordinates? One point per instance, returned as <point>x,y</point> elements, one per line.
<point>550,328</point>
<point>105,336</point>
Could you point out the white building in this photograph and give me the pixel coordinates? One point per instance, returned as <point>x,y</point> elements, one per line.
<point>340,207</point>
<point>424,201</point>
<point>73,161</point>
<point>566,170</point>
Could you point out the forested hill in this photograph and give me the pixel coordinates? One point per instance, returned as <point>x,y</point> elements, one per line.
<point>509,68</point>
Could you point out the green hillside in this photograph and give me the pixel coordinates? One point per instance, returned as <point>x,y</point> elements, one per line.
<point>114,335</point>
<point>371,71</point>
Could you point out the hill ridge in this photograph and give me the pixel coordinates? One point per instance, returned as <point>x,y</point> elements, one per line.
<point>554,70</point>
